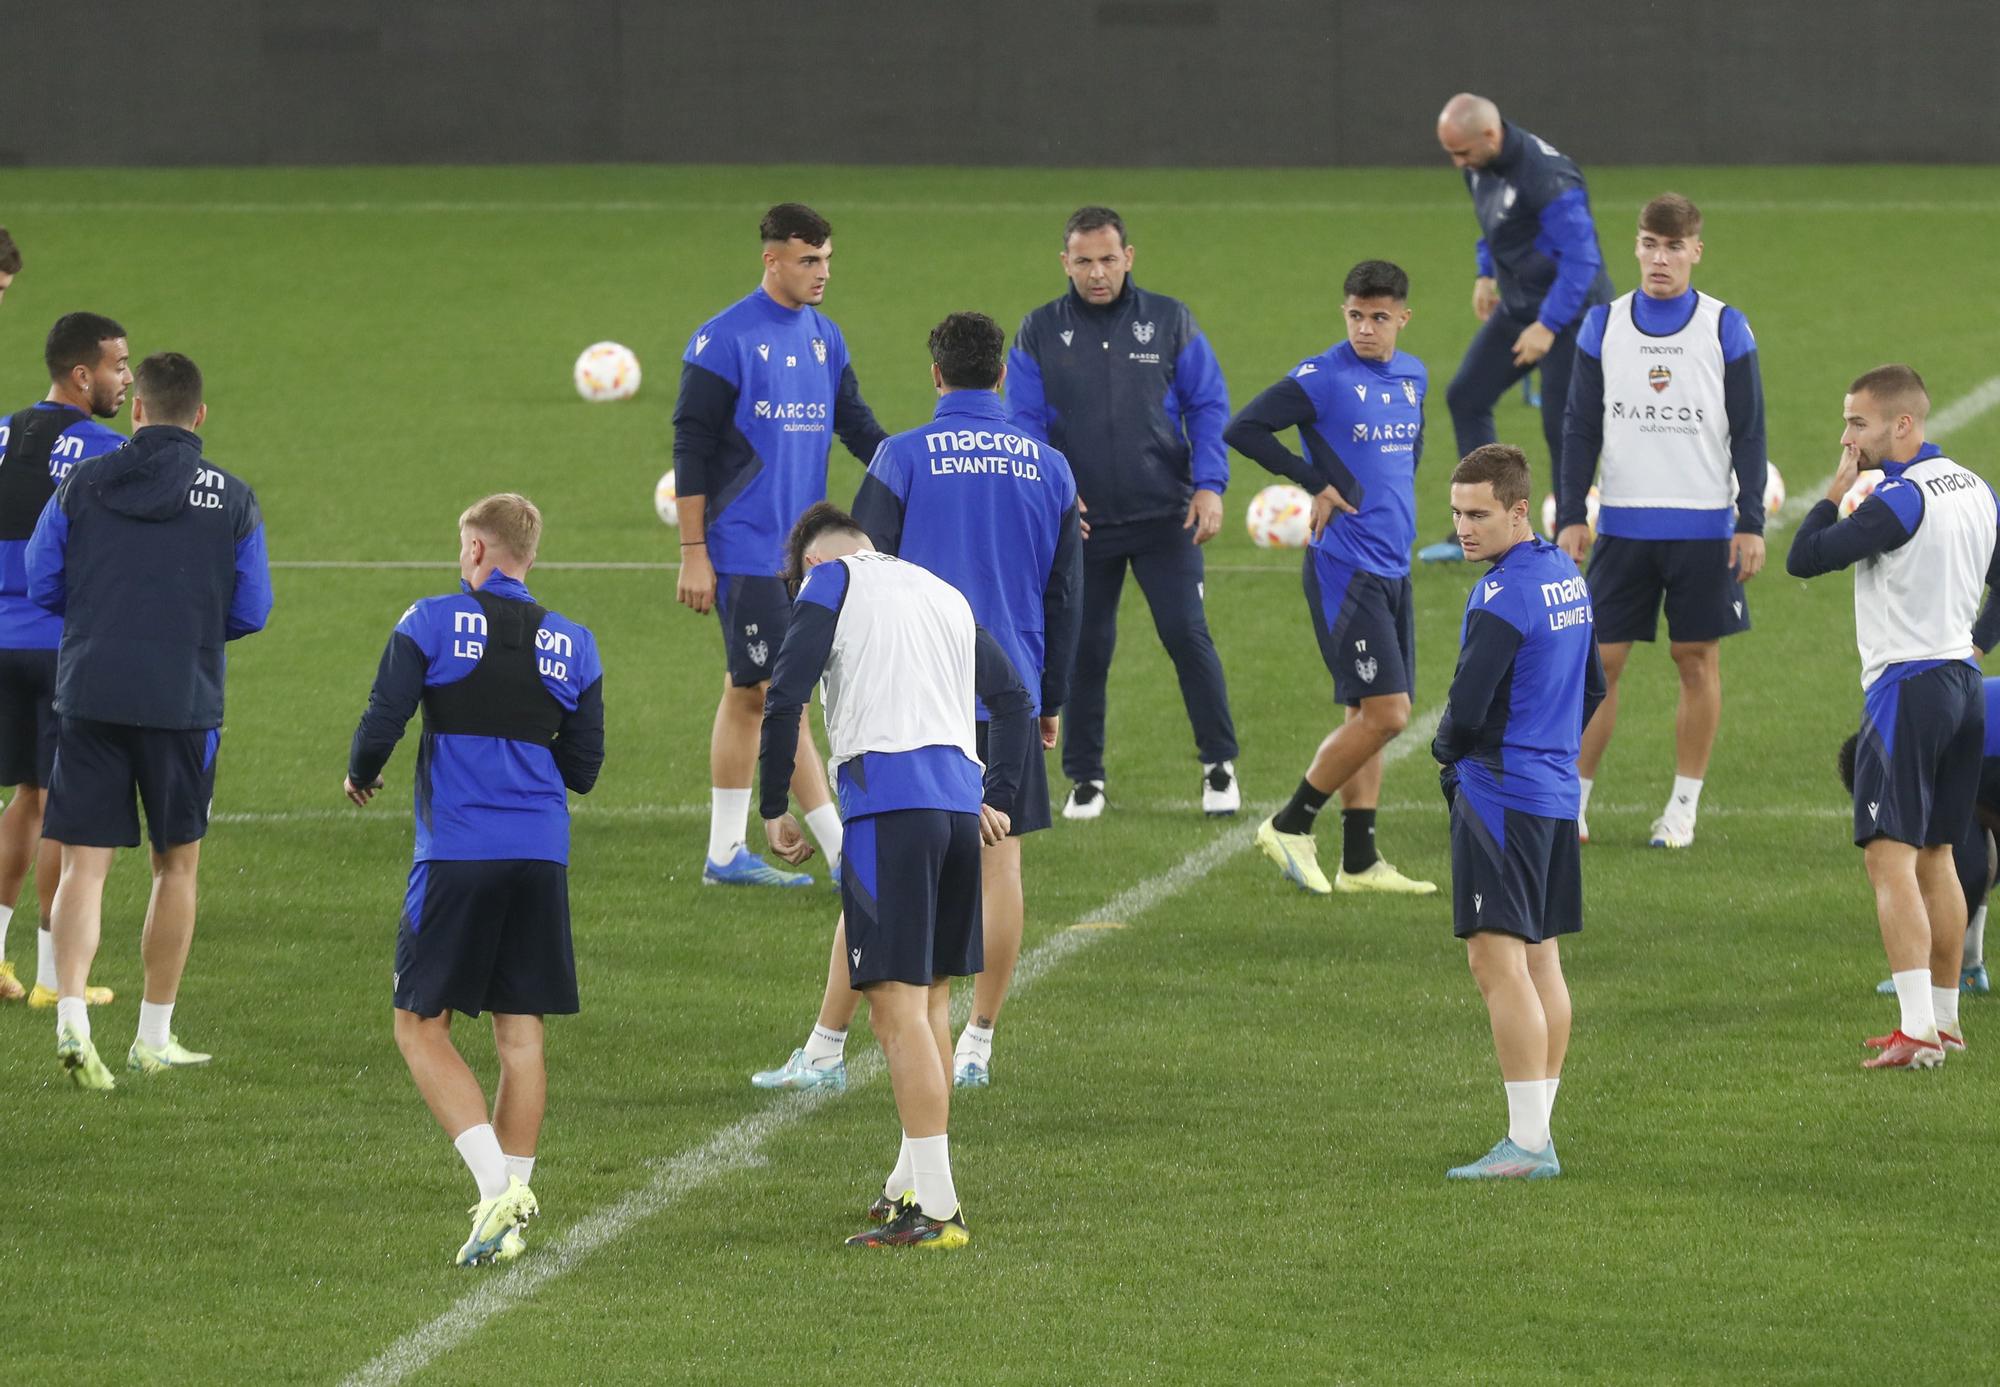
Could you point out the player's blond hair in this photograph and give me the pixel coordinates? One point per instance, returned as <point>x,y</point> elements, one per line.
<point>508,521</point>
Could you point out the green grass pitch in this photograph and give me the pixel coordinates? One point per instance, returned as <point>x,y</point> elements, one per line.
<point>1216,1141</point>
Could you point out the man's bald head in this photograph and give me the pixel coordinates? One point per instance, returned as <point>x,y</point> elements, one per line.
<point>1469,130</point>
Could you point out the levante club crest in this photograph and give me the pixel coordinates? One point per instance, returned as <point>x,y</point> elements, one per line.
<point>1659,378</point>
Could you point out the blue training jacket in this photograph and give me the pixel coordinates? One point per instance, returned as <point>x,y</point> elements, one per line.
<point>1131,393</point>
<point>1537,238</point>
<point>25,625</point>
<point>492,768</point>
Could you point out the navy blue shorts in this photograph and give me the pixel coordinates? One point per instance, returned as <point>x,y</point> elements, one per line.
<point>1367,628</point>
<point>1972,857</point>
<point>486,936</point>
<point>1629,577</point>
<point>1031,803</point>
<point>27,716</point>
<point>1513,872</point>
<point>909,884</point>
<point>1918,761</point>
<point>100,766</point>
<point>755,610</point>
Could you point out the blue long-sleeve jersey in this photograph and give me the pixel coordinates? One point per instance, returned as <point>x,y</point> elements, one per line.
<point>1537,238</point>
<point>1131,393</point>
<point>1528,680</point>
<point>491,770</point>
<point>992,512</point>
<point>1743,400</point>
<point>763,390</point>
<point>1362,423</point>
<point>24,623</point>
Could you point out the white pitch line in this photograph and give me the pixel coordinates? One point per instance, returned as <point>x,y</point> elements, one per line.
<point>610,566</point>
<point>739,1145</point>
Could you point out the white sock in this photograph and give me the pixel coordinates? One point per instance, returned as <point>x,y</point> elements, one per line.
<point>74,1013</point>
<point>824,825</point>
<point>1944,1009</point>
<point>1975,938</point>
<point>45,958</point>
<point>1549,1087</point>
<point>728,823</point>
<point>930,1163</point>
<point>975,1044</point>
<point>154,1020</point>
<point>6,915</point>
<point>1913,994</point>
<point>825,1048</point>
<point>1583,801</point>
<point>1685,799</point>
<point>1527,1114</point>
<point>522,1168</point>
<point>480,1150</point>
<point>903,1178</point>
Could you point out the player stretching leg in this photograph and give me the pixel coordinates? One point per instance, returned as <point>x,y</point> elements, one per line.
<point>1528,679</point>
<point>1922,547</point>
<point>1359,410</point>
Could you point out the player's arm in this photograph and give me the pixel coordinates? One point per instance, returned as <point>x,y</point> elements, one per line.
<point>704,412</point>
<point>1485,288</point>
<point>1062,612</point>
<point>1569,237</point>
<point>1595,687</point>
<point>853,420</point>
<point>1986,630</point>
<point>392,702</point>
<point>802,659</point>
<point>1743,403</point>
<point>1824,543</point>
<point>250,599</point>
<point>1583,425</point>
<point>48,546</point>
<point>1010,732</point>
<point>1027,398</point>
<point>1255,430</point>
<point>1199,398</point>
<point>1484,660</point>
<point>879,504</point>
<point>579,744</point>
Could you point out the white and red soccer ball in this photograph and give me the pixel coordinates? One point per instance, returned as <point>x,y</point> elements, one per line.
<point>607,371</point>
<point>1280,517</point>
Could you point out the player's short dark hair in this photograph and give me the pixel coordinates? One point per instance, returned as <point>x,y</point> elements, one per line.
<point>10,254</point>
<point>170,384</point>
<point>1670,214</point>
<point>1897,386</point>
<point>821,518</point>
<point>1843,761</point>
<point>1377,279</point>
<point>968,348</point>
<point>1093,219</point>
<point>794,221</point>
<point>76,340</point>
<point>1502,466</point>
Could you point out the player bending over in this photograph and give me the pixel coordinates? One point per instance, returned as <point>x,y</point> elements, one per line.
<point>1528,679</point>
<point>513,703</point>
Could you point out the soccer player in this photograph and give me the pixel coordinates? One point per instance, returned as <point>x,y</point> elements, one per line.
<point>139,679</point>
<point>89,372</point>
<point>761,385</point>
<point>1125,384</point>
<point>994,514</point>
<point>1359,410</point>
<point>513,702</point>
<point>1922,547</point>
<point>1666,391</point>
<point>1528,679</point>
<point>10,262</point>
<point>1539,267</point>
<point>903,662</point>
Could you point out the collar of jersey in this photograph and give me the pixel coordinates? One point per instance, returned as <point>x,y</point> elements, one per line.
<point>765,301</point>
<point>986,404</point>
<point>1512,142</point>
<point>1127,296</point>
<point>1664,312</point>
<point>1925,452</point>
<point>500,585</point>
<point>1354,358</point>
<point>1532,543</point>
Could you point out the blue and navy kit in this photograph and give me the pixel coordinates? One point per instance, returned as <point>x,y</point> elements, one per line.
<point>137,650</point>
<point>763,388</point>
<point>1537,239</point>
<point>992,512</point>
<point>1583,428</point>
<point>63,436</point>
<point>1132,394</point>
<point>513,702</point>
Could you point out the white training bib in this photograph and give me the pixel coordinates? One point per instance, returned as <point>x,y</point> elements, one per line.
<point>1666,419</point>
<point>901,673</point>
<point>1918,601</point>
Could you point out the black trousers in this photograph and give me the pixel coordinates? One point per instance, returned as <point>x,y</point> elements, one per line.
<point>1488,372</point>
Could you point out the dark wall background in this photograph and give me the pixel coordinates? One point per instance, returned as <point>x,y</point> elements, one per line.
<point>1087,82</point>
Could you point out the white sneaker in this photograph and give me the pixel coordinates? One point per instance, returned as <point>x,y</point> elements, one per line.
<point>1668,834</point>
<point>1221,796</point>
<point>1086,800</point>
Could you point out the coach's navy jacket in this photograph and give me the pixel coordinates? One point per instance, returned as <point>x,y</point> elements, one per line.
<point>1537,238</point>
<point>154,558</point>
<point>1131,394</point>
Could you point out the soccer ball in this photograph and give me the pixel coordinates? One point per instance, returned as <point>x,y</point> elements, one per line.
<point>1774,489</point>
<point>1590,506</point>
<point>1864,487</point>
<point>663,499</point>
<point>1280,517</point>
<point>607,371</point>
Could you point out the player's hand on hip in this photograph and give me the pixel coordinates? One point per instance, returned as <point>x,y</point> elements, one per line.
<point>1204,515</point>
<point>360,794</point>
<point>697,585</point>
<point>993,826</point>
<point>1533,344</point>
<point>1485,297</point>
<point>1845,475</point>
<point>1746,556</point>
<point>1326,505</point>
<point>1574,540</point>
<point>1051,730</point>
<point>787,839</point>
